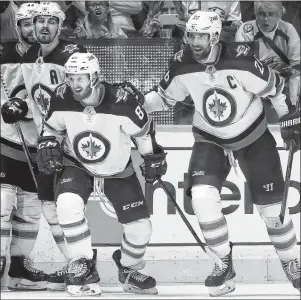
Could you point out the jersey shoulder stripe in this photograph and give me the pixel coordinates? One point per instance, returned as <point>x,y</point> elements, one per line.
<point>181,63</point>
<point>241,56</point>
<point>63,100</point>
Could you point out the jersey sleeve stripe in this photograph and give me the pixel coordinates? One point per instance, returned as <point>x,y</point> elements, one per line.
<point>145,130</point>
<point>270,85</point>
<point>53,130</point>
<point>167,100</point>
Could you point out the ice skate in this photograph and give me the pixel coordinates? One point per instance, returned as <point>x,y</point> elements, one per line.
<point>221,282</point>
<point>56,280</point>
<point>292,272</point>
<point>82,278</point>
<point>132,280</point>
<point>24,277</point>
<point>2,265</point>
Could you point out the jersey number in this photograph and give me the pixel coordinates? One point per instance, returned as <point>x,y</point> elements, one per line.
<point>139,112</point>
<point>166,76</point>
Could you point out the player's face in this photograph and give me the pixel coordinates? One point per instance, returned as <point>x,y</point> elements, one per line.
<point>199,44</point>
<point>80,85</point>
<point>267,19</point>
<point>97,9</point>
<point>46,28</point>
<point>26,30</point>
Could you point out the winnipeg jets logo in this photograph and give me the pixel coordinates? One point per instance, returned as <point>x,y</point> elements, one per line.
<point>242,50</point>
<point>219,107</point>
<point>91,147</point>
<point>41,94</point>
<point>70,48</point>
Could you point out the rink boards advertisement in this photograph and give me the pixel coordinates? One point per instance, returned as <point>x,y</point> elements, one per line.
<point>244,223</point>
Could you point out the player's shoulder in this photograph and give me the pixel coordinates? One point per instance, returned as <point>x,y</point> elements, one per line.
<point>8,53</point>
<point>66,48</point>
<point>31,54</point>
<point>241,56</point>
<point>61,90</point>
<point>237,56</point>
<point>117,96</point>
<point>238,51</point>
<point>182,57</point>
<point>125,103</point>
<point>62,100</point>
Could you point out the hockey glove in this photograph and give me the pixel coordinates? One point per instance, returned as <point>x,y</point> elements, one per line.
<point>290,129</point>
<point>154,165</point>
<point>49,155</point>
<point>14,110</point>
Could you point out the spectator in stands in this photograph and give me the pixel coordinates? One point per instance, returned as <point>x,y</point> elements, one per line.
<point>8,10</point>
<point>152,25</point>
<point>122,13</point>
<point>279,43</point>
<point>106,19</point>
<point>97,22</point>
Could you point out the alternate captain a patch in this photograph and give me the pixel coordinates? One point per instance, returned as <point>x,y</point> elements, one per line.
<point>91,147</point>
<point>248,28</point>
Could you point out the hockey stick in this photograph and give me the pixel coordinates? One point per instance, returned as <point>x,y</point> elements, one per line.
<point>287,180</point>
<point>200,243</point>
<point>27,154</point>
<point>288,173</point>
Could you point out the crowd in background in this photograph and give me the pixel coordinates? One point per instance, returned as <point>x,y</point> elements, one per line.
<point>126,19</point>
<point>95,20</point>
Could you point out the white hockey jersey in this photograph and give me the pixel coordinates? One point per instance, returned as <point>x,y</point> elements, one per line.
<point>226,95</point>
<point>12,85</point>
<point>43,74</point>
<point>99,138</point>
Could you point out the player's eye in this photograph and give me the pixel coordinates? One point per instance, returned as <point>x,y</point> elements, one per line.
<point>52,21</point>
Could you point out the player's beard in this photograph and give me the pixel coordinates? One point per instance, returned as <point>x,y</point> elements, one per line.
<point>45,39</point>
<point>30,40</point>
<point>82,95</point>
<point>201,55</point>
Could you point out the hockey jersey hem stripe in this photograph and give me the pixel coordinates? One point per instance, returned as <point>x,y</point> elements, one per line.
<point>127,172</point>
<point>32,150</point>
<point>15,154</point>
<point>240,141</point>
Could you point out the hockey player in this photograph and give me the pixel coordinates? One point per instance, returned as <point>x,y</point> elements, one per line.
<point>42,68</point>
<point>226,83</point>
<point>279,43</point>
<point>17,185</point>
<point>97,122</point>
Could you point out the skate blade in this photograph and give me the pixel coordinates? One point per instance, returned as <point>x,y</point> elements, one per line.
<point>90,289</point>
<point>51,286</point>
<point>21,284</point>
<point>132,289</point>
<point>226,288</point>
